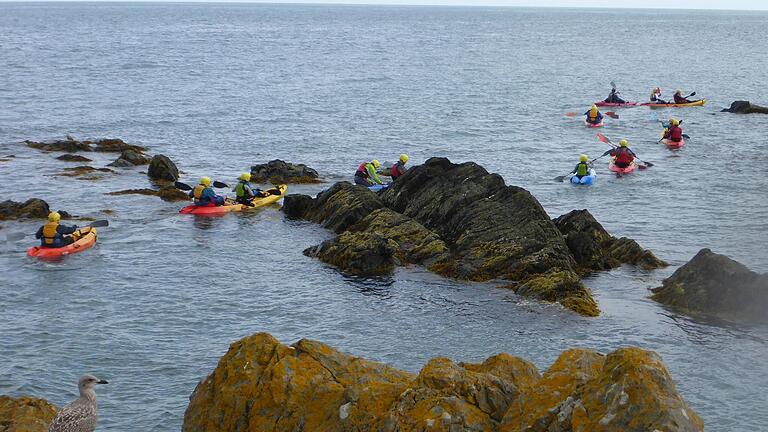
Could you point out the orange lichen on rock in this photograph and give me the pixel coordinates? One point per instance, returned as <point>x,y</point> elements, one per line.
<point>25,414</point>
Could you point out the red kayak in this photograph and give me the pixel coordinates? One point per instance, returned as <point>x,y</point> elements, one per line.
<point>673,145</point>
<point>592,125</point>
<point>626,170</point>
<point>614,104</point>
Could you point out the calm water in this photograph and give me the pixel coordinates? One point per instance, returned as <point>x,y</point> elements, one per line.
<point>217,88</point>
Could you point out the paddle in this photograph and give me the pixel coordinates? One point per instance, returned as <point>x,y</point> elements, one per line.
<point>20,235</point>
<point>186,187</point>
<point>608,141</point>
<point>563,177</point>
<point>610,114</point>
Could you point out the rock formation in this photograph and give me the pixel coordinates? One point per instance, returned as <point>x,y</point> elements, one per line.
<point>745,107</point>
<point>129,158</point>
<point>25,414</point>
<point>33,208</point>
<point>166,193</point>
<point>68,157</point>
<point>277,171</point>
<point>85,172</point>
<point>713,284</point>
<point>161,167</point>
<point>263,385</point>
<point>71,145</point>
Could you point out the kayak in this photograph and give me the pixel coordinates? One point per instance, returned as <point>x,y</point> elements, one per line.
<point>673,145</point>
<point>592,125</point>
<point>378,187</point>
<point>626,170</point>
<point>85,242</point>
<point>615,104</point>
<point>231,206</point>
<point>586,180</point>
<point>674,105</point>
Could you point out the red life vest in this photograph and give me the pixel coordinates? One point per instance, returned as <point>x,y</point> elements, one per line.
<point>394,172</point>
<point>624,156</point>
<point>676,133</point>
<point>361,171</point>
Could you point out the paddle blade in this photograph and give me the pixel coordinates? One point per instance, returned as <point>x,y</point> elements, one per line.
<point>686,136</point>
<point>559,178</point>
<point>219,184</point>
<point>571,114</point>
<point>182,186</point>
<point>648,164</point>
<point>613,85</point>
<point>642,167</point>
<point>603,138</point>
<point>12,237</point>
<point>612,115</point>
<point>99,223</point>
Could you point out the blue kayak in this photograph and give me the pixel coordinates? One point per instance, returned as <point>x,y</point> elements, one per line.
<point>378,187</point>
<point>586,180</point>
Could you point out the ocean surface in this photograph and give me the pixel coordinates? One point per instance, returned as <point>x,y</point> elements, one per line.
<point>220,87</point>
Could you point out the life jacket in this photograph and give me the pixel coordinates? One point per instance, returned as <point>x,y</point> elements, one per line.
<point>198,194</point>
<point>362,171</point>
<point>593,118</point>
<point>51,233</point>
<point>394,172</point>
<point>582,169</point>
<point>240,189</point>
<point>623,156</point>
<point>676,133</point>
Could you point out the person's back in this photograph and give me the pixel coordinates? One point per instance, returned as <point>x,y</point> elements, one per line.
<point>582,168</point>
<point>366,174</point>
<point>55,235</point>
<point>675,132</point>
<point>679,99</point>
<point>614,97</point>
<point>398,168</point>
<point>594,116</point>
<point>204,195</point>
<point>243,192</point>
<point>623,155</point>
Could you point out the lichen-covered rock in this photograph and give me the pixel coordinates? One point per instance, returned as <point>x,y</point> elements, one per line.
<point>162,168</point>
<point>33,208</point>
<point>83,170</point>
<point>381,240</point>
<point>713,284</point>
<point>297,206</point>
<point>278,171</point>
<point>263,385</point>
<point>166,193</point>
<point>25,414</point>
<point>594,249</point>
<point>745,107</point>
<point>68,157</point>
<point>336,208</point>
<point>115,145</point>
<point>71,145</point>
<point>563,287</point>
<point>129,158</point>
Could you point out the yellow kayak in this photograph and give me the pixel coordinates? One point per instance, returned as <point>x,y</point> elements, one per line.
<point>674,105</point>
<point>270,196</point>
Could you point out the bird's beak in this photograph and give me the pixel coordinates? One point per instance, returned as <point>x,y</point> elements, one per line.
<point>103,382</point>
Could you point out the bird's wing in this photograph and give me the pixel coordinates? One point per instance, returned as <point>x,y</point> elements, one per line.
<point>74,418</point>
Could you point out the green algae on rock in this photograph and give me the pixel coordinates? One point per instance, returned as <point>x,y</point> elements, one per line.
<point>25,414</point>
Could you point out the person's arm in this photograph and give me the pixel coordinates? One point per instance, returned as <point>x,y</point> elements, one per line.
<point>208,194</point>
<point>248,191</point>
<point>191,193</point>
<point>372,174</point>
<point>39,233</point>
<point>575,169</point>
<point>65,230</point>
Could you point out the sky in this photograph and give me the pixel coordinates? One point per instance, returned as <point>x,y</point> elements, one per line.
<point>665,4</point>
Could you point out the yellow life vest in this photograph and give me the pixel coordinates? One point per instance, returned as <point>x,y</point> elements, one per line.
<point>50,231</point>
<point>199,191</point>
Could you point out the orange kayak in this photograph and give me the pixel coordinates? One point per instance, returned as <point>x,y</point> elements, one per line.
<point>85,242</point>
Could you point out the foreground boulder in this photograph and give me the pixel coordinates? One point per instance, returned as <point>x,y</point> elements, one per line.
<point>336,208</point>
<point>745,107</point>
<point>713,284</point>
<point>263,385</point>
<point>277,171</point>
<point>161,167</point>
<point>33,208</point>
<point>25,414</point>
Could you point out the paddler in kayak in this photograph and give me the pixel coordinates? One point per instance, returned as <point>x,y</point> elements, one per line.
<point>673,132</point>
<point>398,168</point>
<point>679,99</point>
<point>55,235</point>
<point>366,174</point>
<point>243,192</point>
<point>622,155</point>
<point>593,116</point>
<point>204,195</point>
<point>582,168</point>
<point>614,97</point>
<point>656,96</point>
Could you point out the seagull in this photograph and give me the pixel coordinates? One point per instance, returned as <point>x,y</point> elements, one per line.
<point>80,415</point>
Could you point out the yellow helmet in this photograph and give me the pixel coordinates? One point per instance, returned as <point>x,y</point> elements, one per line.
<point>54,217</point>
<point>624,143</point>
<point>375,163</point>
<point>404,158</point>
<point>583,158</point>
<point>593,108</point>
<point>245,176</point>
<point>674,122</point>
<point>205,181</point>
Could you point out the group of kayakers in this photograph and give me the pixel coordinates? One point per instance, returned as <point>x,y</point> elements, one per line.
<point>367,173</point>
<point>204,195</point>
<point>655,98</point>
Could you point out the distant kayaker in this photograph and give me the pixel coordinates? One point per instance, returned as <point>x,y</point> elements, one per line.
<point>622,155</point>
<point>204,195</point>
<point>594,116</point>
<point>656,96</point>
<point>398,168</point>
<point>366,174</point>
<point>679,99</point>
<point>673,132</point>
<point>614,97</point>
<point>243,192</point>
<point>55,235</point>
<point>582,168</point>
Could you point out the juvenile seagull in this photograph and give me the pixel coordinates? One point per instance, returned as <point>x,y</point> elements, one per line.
<point>80,415</point>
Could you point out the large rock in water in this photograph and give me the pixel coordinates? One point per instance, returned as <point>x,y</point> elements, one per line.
<point>25,414</point>
<point>277,171</point>
<point>336,208</point>
<point>594,249</point>
<point>263,385</point>
<point>129,158</point>
<point>745,107</point>
<point>161,167</point>
<point>33,208</point>
<point>713,284</point>
<point>71,145</point>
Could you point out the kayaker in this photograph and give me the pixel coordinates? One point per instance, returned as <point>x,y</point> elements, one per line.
<point>243,192</point>
<point>622,155</point>
<point>398,168</point>
<point>614,97</point>
<point>366,174</point>
<point>674,132</point>
<point>656,96</point>
<point>55,235</point>
<point>679,99</point>
<point>204,195</point>
<point>594,116</point>
<point>582,168</point>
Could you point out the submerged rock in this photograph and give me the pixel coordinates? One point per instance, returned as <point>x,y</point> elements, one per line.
<point>263,385</point>
<point>33,208</point>
<point>25,414</point>
<point>68,157</point>
<point>745,107</point>
<point>713,284</point>
<point>594,249</point>
<point>277,171</point>
<point>83,170</point>
<point>166,193</point>
<point>129,158</point>
<point>161,167</point>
